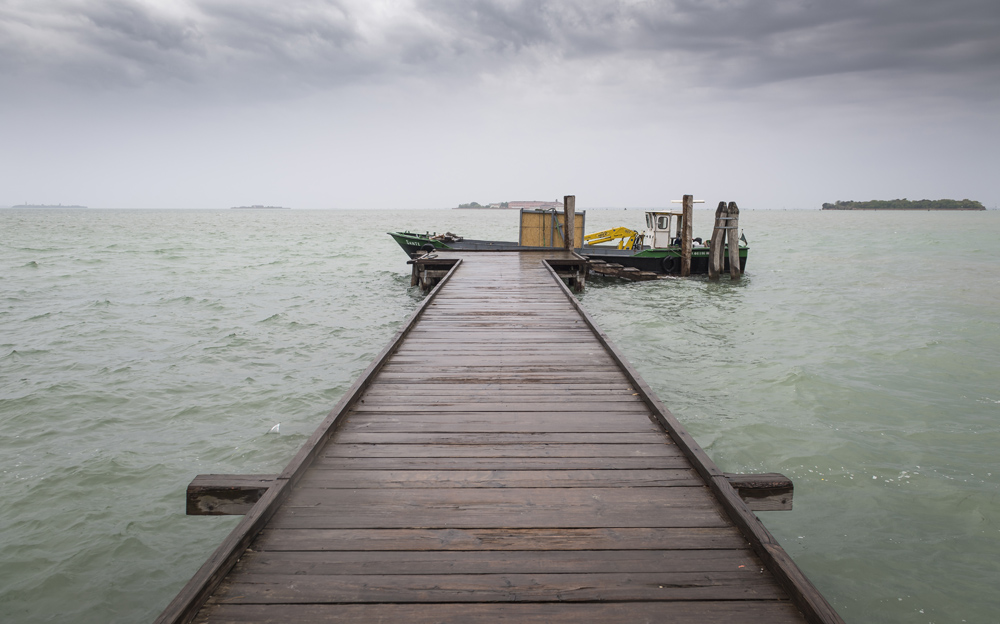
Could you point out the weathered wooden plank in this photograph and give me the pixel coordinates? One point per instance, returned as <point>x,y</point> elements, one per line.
<point>500,463</point>
<point>597,501</point>
<point>534,360</point>
<point>365,437</point>
<point>490,389</point>
<point>431,394</point>
<point>433,369</point>
<point>354,479</point>
<point>271,589</point>
<point>597,402</point>
<point>413,406</point>
<point>542,540</point>
<point>500,507</point>
<point>700,612</point>
<point>485,353</point>
<point>512,422</point>
<point>447,324</point>
<point>502,450</point>
<point>540,329</point>
<point>499,377</point>
<point>497,562</point>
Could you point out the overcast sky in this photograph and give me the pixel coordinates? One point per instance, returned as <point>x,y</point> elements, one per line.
<point>431,103</point>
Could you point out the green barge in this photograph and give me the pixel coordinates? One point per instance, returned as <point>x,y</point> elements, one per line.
<point>657,249</point>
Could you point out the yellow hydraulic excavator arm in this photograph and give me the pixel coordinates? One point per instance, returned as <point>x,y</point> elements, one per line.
<point>629,239</point>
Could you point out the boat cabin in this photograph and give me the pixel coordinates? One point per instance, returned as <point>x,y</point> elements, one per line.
<point>664,226</point>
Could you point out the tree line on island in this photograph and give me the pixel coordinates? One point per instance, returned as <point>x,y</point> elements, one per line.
<point>906,204</point>
<point>474,205</point>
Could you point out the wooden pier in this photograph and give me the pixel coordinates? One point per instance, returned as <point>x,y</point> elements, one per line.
<point>499,461</point>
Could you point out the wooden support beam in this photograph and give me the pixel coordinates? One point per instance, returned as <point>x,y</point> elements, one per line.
<point>430,269</point>
<point>226,494</point>
<point>769,491</point>
<point>574,271</point>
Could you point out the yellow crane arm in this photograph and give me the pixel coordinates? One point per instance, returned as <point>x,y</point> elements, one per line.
<point>626,235</point>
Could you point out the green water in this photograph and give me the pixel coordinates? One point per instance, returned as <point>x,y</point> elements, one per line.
<point>860,355</point>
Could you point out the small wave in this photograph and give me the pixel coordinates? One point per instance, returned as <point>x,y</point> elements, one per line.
<point>32,264</point>
<point>14,353</point>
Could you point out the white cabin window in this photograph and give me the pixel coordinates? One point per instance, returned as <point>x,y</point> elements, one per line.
<point>649,221</point>
<point>663,223</point>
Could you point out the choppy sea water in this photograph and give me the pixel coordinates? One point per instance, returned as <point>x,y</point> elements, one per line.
<point>859,355</point>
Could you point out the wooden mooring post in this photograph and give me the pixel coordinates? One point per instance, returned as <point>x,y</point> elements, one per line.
<point>569,222</point>
<point>726,233</point>
<point>686,233</point>
<point>733,228</point>
<point>718,242</point>
<point>687,225</point>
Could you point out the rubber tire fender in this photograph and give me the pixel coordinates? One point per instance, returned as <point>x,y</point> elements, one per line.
<point>668,264</point>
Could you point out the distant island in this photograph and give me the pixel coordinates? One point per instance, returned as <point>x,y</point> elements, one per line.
<point>259,207</point>
<point>48,206</point>
<point>905,204</point>
<point>514,205</point>
<point>478,206</point>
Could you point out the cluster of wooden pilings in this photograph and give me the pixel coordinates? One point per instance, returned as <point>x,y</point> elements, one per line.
<point>727,228</point>
<point>727,220</point>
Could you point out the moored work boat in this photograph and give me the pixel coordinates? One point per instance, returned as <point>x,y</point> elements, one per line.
<point>656,249</point>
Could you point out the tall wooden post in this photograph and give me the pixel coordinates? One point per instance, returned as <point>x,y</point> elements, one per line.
<point>733,226</point>
<point>688,214</point>
<point>569,221</point>
<point>718,242</point>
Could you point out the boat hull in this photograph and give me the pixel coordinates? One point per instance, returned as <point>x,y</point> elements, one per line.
<point>662,260</point>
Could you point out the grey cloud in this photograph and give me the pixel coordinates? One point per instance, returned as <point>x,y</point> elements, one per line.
<point>326,43</point>
<point>750,41</point>
<point>135,26</point>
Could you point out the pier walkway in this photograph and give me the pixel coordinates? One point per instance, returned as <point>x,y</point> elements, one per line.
<point>500,461</point>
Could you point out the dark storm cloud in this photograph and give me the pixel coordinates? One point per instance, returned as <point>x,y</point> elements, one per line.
<point>750,41</point>
<point>721,42</point>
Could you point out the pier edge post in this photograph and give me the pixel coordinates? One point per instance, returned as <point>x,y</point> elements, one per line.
<point>569,221</point>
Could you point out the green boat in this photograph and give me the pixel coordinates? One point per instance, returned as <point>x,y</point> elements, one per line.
<point>662,254</point>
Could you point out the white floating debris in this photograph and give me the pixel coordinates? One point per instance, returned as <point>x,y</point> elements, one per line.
<point>276,429</point>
